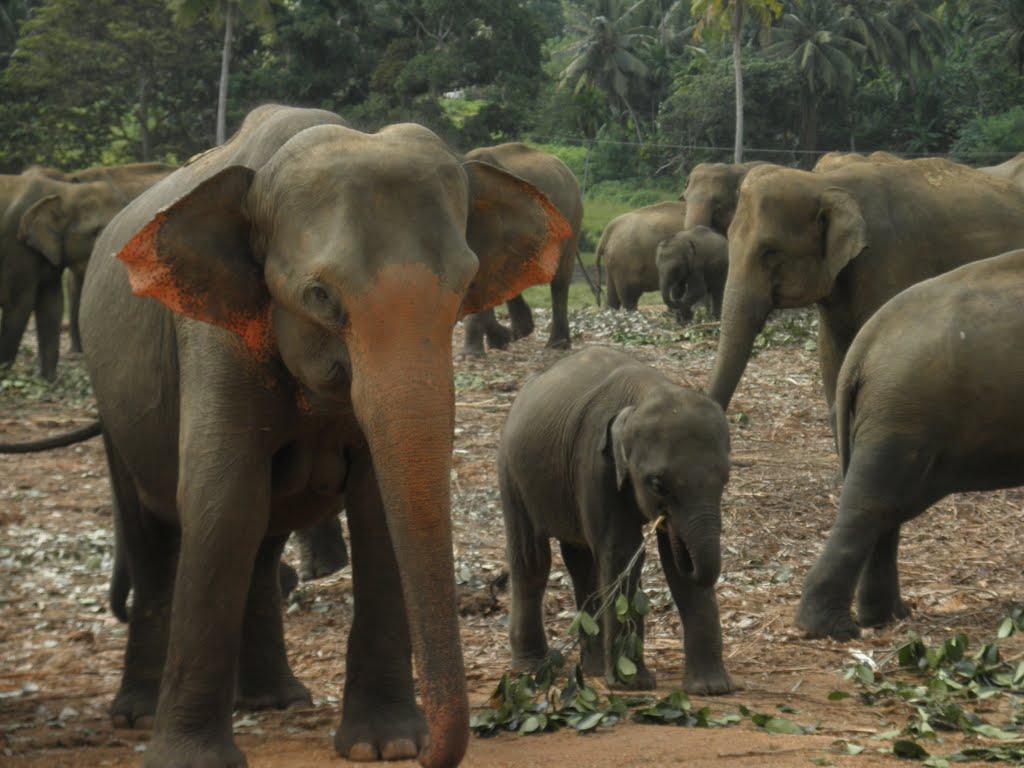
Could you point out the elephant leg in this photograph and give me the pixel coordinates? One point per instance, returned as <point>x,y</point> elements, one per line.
<point>380,719</point>
<point>613,300</point>
<point>631,299</point>
<point>49,312</point>
<point>520,316</point>
<point>482,324</point>
<point>264,678</point>
<point>702,627</point>
<point>529,565</point>
<point>878,591</point>
<point>614,553</point>
<point>322,549</point>
<point>560,336</point>
<point>74,288</point>
<point>13,321</point>
<point>147,553</point>
<point>583,572</point>
<point>873,504</point>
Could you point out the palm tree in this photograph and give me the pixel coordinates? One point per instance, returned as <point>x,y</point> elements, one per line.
<point>823,46</point>
<point>1001,23</point>
<point>729,16</point>
<point>898,34</point>
<point>224,12</point>
<point>606,56</point>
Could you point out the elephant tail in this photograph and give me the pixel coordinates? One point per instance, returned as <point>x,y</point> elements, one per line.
<point>846,396</point>
<point>58,441</point>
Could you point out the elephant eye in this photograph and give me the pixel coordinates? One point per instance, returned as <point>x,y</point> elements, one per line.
<point>320,302</point>
<point>657,485</point>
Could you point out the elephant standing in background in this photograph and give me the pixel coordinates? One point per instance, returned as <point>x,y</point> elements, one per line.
<point>692,268</point>
<point>552,177</point>
<point>1011,170</point>
<point>593,449</point>
<point>832,161</point>
<point>711,193</point>
<point>627,248</point>
<point>928,404</point>
<point>46,227</point>
<point>848,240</point>
<point>285,303</point>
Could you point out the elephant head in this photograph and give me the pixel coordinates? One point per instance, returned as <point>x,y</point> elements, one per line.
<point>672,450</point>
<point>63,225</point>
<point>712,190</point>
<point>675,260</point>
<point>792,235</point>
<point>346,259</point>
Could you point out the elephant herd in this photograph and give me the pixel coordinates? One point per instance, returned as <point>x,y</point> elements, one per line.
<point>268,333</point>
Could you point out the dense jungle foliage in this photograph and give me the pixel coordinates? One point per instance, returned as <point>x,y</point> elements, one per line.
<point>622,89</point>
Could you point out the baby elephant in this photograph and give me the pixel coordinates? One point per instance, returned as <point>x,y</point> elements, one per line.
<point>928,404</point>
<point>692,267</point>
<point>594,448</point>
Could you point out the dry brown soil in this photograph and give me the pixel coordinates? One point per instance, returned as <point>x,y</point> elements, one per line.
<point>61,650</point>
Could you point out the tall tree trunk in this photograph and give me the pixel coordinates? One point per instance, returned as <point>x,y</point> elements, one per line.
<point>143,117</point>
<point>737,25</point>
<point>225,64</point>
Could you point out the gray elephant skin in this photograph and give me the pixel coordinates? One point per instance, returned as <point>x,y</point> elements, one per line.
<point>847,240</point>
<point>928,404</point>
<point>287,301</point>
<point>692,269</point>
<point>1011,170</point>
<point>593,449</point>
<point>48,225</point>
<point>627,249</point>
<point>711,194</point>
<point>552,177</point>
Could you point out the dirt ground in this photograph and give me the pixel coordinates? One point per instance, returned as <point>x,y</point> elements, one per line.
<point>61,650</point>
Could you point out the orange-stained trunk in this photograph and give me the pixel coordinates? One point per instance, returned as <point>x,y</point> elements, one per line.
<point>403,395</point>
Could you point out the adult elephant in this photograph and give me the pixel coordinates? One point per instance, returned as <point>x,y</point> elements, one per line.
<point>692,268</point>
<point>848,240</point>
<point>295,356</point>
<point>47,226</point>
<point>552,177</point>
<point>51,225</point>
<point>1012,170</point>
<point>712,190</point>
<point>628,246</point>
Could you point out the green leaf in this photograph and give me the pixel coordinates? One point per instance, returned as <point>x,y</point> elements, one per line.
<point>909,749</point>
<point>587,624</point>
<point>838,695</point>
<point>853,749</point>
<point>626,668</point>
<point>589,722</point>
<point>621,607</point>
<point>530,724</point>
<point>641,603</point>
<point>781,725</point>
<point>1006,628</point>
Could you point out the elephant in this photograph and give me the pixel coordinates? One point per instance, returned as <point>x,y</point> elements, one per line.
<point>594,448</point>
<point>45,227</point>
<point>848,240</point>
<point>928,404</point>
<point>832,161</point>
<point>268,335</point>
<point>627,249</point>
<point>1012,169</point>
<point>552,177</point>
<point>692,268</point>
<point>711,193</point>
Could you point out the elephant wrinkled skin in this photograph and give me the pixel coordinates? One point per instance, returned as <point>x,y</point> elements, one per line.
<point>692,268</point>
<point>285,303</point>
<point>592,450</point>
<point>928,404</point>
<point>848,240</point>
<point>552,177</point>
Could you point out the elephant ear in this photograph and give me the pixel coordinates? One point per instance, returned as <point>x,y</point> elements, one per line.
<point>846,233</point>
<point>515,232</point>
<point>194,257</point>
<point>614,444</point>
<point>40,227</point>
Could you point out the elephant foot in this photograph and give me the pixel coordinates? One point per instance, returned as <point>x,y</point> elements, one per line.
<point>527,662</point>
<point>559,343</point>
<point>377,729</point>
<point>134,706</point>
<point>877,614</point>
<point>285,694</point>
<point>474,350</point>
<point>643,680</point>
<point>703,681</point>
<point>821,622</point>
<point>188,749</point>
<point>521,330</point>
<point>322,556</point>
<point>288,577</point>
<point>499,339</point>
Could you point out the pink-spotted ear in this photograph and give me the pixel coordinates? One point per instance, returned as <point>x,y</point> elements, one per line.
<point>195,258</point>
<point>516,233</point>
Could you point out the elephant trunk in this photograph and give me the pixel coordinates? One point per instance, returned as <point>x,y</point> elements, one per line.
<point>403,396</point>
<point>744,313</point>
<point>696,544</point>
<point>670,295</point>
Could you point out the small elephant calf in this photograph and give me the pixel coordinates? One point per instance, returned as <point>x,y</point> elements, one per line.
<point>928,404</point>
<point>594,448</point>
<point>692,268</point>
